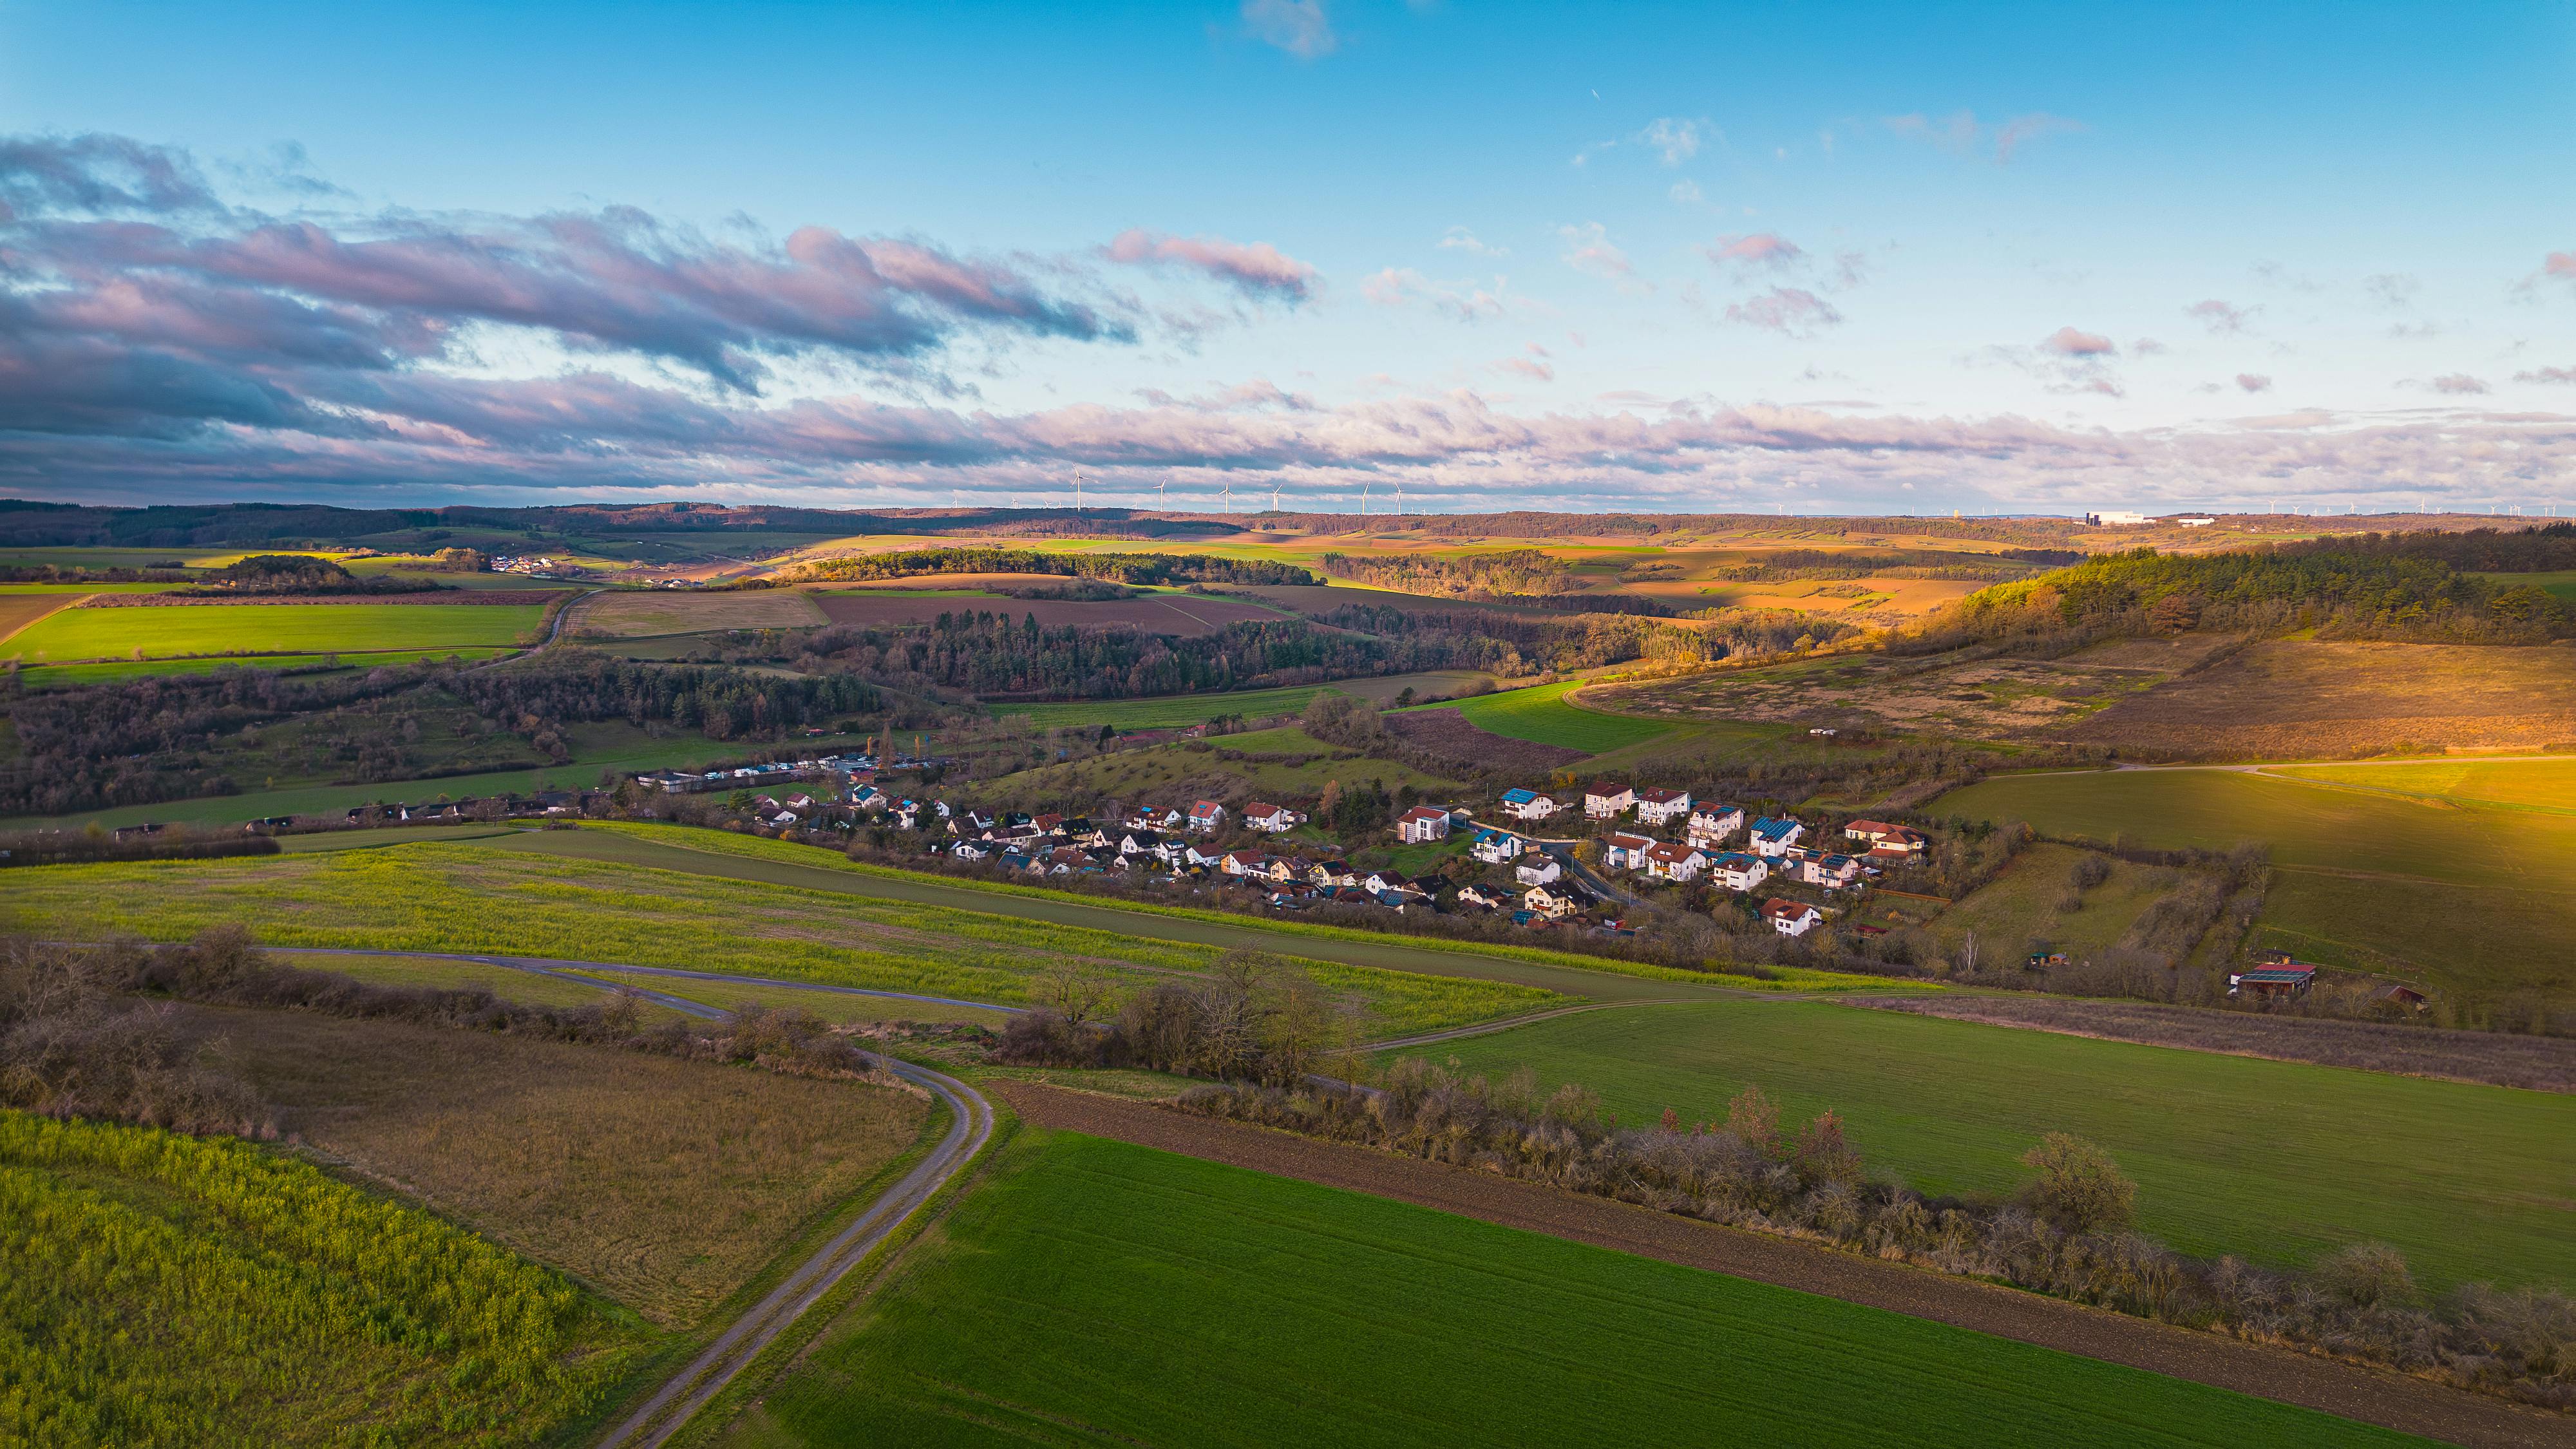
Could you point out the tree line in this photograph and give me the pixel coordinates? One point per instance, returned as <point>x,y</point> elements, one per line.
<point>1122,568</point>
<point>1470,576</point>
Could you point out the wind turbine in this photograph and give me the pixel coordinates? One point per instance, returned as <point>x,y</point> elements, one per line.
<point>1364,492</point>
<point>1159,486</point>
<point>1399,502</point>
<point>1228,495</point>
<point>1077,490</point>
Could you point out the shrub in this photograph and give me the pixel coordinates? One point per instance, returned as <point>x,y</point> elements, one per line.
<point>2079,1189</point>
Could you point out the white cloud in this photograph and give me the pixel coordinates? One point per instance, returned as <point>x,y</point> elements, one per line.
<point>1299,27</point>
<point>1460,239</point>
<point>1674,139</point>
<point>1588,250</point>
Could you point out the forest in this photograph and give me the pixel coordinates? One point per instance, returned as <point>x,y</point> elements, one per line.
<point>1516,571</point>
<point>2386,593</point>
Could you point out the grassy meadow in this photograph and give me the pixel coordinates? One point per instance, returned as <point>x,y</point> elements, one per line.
<point>71,635</point>
<point>2024,904</point>
<point>1541,714</point>
<point>1096,1292</point>
<point>2275,1161</point>
<point>167,1290</point>
<point>2476,899</point>
<point>1163,712</point>
<point>2545,783</point>
<point>484,897</point>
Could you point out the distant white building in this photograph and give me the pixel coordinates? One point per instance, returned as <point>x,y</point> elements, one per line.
<point>2115,518</point>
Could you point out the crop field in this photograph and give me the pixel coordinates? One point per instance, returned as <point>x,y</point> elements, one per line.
<point>78,634</point>
<point>482,897</point>
<point>43,675</point>
<point>2264,1159</point>
<point>2546,783</point>
<point>642,613</point>
<point>18,610</point>
<point>2289,699</point>
<point>749,857</point>
<point>2480,901</point>
<point>2019,910</point>
<point>1097,1292</point>
<point>2561,582</point>
<point>665,1184</point>
<point>1543,715</point>
<point>159,1289</point>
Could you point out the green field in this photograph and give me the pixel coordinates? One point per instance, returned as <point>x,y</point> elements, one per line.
<point>2561,582</point>
<point>113,634</point>
<point>2543,783</point>
<point>158,1289</point>
<point>1170,711</point>
<point>2018,909</point>
<point>2478,900</point>
<point>483,896</point>
<point>43,675</point>
<point>2275,1161</point>
<point>1541,714</point>
<point>1094,1292</point>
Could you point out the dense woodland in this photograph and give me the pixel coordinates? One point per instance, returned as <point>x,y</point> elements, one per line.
<point>2375,593</point>
<point>1516,571</point>
<point>1816,563</point>
<point>155,739</point>
<point>1121,568</point>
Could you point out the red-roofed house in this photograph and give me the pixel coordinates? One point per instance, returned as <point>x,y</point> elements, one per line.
<point>1658,806</point>
<point>1791,918</point>
<point>1422,824</point>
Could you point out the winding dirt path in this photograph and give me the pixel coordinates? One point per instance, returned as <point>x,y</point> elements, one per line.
<point>2371,1396</point>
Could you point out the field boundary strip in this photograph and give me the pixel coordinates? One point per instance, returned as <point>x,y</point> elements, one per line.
<point>2261,1371</point>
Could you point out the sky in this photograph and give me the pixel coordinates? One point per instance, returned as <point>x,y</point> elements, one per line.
<point>1850,259</point>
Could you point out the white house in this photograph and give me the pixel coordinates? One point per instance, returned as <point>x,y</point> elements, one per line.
<point>1529,805</point>
<point>1270,819</point>
<point>971,850</point>
<point>1886,839</point>
<point>1667,861</point>
<point>1244,862</point>
<point>1833,872</point>
<point>1203,858</point>
<point>1607,800</point>
<point>1791,918</point>
<point>1625,852</point>
<point>1738,871</point>
<point>1551,903</point>
<point>1658,806</point>
<point>1496,847</point>
<point>1478,896</point>
<point>1774,837</point>
<point>1206,816</point>
<point>1709,825</point>
<point>1422,824</point>
<point>1541,871</point>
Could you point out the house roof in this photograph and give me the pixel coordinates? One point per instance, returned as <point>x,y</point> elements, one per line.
<point>1257,808</point>
<point>1736,860</point>
<point>2279,975</point>
<point>1425,813</point>
<point>1605,789</point>
<point>1671,854</point>
<point>1519,797</point>
<point>1624,841</point>
<point>1766,826</point>
<point>1661,796</point>
<point>1207,807</point>
<point>1783,910</point>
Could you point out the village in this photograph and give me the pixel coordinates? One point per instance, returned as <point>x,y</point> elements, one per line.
<point>1567,860</point>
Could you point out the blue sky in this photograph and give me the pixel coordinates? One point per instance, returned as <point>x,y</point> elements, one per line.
<point>1858,259</point>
